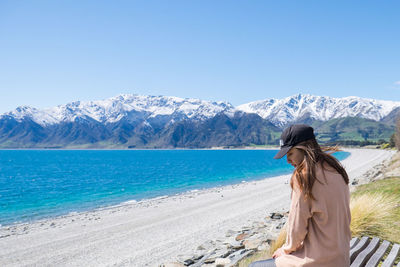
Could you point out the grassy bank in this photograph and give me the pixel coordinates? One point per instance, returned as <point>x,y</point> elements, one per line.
<point>376,209</point>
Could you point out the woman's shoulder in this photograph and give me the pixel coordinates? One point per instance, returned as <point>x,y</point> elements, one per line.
<point>328,176</point>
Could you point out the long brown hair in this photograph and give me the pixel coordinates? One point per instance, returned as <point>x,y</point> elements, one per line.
<point>313,155</point>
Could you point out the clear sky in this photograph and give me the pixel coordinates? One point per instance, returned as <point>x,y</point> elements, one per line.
<point>55,52</point>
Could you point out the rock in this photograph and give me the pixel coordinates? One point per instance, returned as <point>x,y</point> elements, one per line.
<point>222,262</point>
<point>263,246</point>
<point>186,259</point>
<point>172,264</point>
<point>259,236</point>
<point>188,262</point>
<point>202,260</point>
<point>209,260</point>
<point>252,244</point>
<point>236,245</point>
<point>259,225</point>
<point>276,216</point>
<point>241,237</point>
<point>207,245</point>
<point>221,253</point>
<point>230,233</point>
<point>238,255</point>
<point>198,257</point>
<point>280,225</point>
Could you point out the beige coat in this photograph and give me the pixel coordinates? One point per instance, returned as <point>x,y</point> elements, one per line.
<point>318,231</point>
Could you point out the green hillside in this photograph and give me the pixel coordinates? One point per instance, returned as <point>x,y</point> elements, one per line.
<point>345,130</point>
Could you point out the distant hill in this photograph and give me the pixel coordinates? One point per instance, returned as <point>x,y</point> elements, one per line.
<point>350,129</point>
<point>134,121</point>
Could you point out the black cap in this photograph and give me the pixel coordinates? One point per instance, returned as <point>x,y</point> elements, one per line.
<point>293,135</point>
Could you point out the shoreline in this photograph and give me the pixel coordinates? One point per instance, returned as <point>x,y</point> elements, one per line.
<point>178,148</point>
<point>157,230</point>
<point>142,202</point>
<point>132,201</point>
<point>269,147</point>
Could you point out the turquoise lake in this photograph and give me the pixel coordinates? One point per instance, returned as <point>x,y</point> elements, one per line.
<point>36,184</point>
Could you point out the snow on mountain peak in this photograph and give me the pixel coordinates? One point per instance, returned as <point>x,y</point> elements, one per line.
<point>277,111</point>
<point>289,109</point>
<point>115,108</point>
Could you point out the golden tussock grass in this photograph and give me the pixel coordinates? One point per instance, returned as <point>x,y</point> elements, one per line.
<point>280,240</point>
<point>375,214</point>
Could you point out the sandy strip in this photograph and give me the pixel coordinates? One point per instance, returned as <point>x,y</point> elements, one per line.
<point>151,232</point>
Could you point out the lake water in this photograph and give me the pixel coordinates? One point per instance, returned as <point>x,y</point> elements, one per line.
<point>35,184</point>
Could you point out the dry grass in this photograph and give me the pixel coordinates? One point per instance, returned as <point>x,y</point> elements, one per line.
<point>375,210</point>
<point>280,240</point>
<point>372,215</point>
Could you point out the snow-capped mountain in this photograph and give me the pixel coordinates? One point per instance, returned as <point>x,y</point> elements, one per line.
<point>283,111</point>
<point>278,111</point>
<point>137,121</point>
<point>127,106</point>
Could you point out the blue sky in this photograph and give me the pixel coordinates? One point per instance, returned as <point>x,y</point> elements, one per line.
<point>54,52</point>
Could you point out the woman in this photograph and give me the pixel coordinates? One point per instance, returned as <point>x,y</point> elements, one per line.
<point>318,228</point>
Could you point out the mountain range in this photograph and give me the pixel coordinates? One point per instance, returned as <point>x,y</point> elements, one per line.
<point>137,121</point>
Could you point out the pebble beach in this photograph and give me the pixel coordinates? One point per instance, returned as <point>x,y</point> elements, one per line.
<point>165,229</point>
